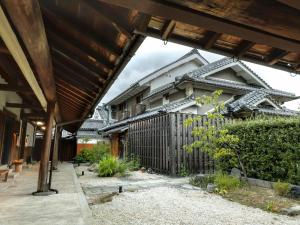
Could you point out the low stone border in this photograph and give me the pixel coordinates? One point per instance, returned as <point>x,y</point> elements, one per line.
<point>263,183</point>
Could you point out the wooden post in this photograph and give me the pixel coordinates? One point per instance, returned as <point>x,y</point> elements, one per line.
<point>23,138</point>
<point>45,151</point>
<point>57,137</point>
<point>172,144</point>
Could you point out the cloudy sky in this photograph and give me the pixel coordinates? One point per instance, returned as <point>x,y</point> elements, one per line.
<point>153,54</point>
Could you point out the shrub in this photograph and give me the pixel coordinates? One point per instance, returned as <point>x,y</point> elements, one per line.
<point>183,172</point>
<point>93,154</point>
<point>133,163</point>
<point>108,166</point>
<point>226,182</point>
<point>281,188</point>
<point>98,152</point>
<point>111,166</point>
<point>83,156</point>
<point>269,148</point>
<point>203,181</point>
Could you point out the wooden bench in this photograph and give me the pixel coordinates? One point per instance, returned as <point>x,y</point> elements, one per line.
<point>5,174</point>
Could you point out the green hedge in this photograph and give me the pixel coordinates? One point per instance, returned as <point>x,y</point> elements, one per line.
<point>269,148</point>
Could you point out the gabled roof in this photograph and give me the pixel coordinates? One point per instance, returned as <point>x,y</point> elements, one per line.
<point>251,100</point>
<point>140,85</point>
<point>223,63</point>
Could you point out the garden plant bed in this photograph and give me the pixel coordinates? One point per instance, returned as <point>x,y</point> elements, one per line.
<point>259,197</point>
<point>157,199</point>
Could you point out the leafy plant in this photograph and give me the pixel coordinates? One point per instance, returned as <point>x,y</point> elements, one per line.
<point>133,163</point>
<point>218,143</point>
<point>269,148</point>
<point>98,152</point>
<point>281,188</point>
<point>271,206</point>
<point>226,182</point>
<point>108,166</point>
<point>183,172</point>
<point>83,156</point>
<point>203,181</point>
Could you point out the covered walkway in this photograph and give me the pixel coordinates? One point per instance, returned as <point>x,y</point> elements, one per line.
<point>18,206</point>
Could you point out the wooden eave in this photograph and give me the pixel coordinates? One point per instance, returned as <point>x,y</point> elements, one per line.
<point>90,41</point>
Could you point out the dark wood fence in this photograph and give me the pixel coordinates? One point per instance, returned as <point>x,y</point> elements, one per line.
<point>159,142</point>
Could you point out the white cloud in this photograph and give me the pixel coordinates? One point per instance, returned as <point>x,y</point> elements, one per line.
<point>153,54</point>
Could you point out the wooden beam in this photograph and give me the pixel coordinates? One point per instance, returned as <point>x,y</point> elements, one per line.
<point>243,47</point>
<point>275,56</point>
<point>12,43</point>
<point>193,17</point>
<point>291,3</point>
<point>210,39</point>
<point>119,24</point>
<point>167,29</point>
<point>79,31</point>
<point>27,19</point>
<point>14,88</point>
<point>4,50</point>
<point>76,65</point>
<point>21,105</point>
<point>78,54</point>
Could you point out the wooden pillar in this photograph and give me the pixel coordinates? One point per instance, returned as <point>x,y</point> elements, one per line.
<point>57,138</point>
<point>23,138</point>
<point>45,151</point>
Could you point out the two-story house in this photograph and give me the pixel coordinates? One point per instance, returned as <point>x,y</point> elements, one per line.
<point>174,87</point>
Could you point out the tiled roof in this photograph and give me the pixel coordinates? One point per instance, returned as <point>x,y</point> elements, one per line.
<point>281,112</point>
<point>248,100</point>
<point>103,113</point>
<point>91,124</point>
<point>152,112</point>
<point>160,90</point>
<point>235,85</point>
<point>87,134</point>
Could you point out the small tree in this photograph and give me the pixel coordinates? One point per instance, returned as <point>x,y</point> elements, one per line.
<point>217,143</point>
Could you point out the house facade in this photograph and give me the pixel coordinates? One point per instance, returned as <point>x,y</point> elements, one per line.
<point>175,87</point>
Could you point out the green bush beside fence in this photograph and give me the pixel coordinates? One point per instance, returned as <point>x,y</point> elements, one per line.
<point>269,148</point>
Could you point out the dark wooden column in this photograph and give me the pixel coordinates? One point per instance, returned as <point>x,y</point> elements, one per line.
<point>23,138</point>
<point>57,138</point>
<point>45,151</point>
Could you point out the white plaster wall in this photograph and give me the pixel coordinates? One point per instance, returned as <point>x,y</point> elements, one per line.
<point>92,141</point>
<point>29,135</point>
<point>6,96</point>
<point>229,74</point>
<point>170,76</point>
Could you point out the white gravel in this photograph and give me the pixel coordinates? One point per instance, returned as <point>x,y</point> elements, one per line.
<point>161,200</point>
<point>165,205</point>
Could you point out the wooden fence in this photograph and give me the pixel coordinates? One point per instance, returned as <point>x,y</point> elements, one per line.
<point>159,141</point>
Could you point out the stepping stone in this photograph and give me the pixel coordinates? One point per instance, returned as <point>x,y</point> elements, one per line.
<point>292,211</point>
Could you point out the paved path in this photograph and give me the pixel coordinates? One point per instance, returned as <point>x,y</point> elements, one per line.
<point>69,207</point>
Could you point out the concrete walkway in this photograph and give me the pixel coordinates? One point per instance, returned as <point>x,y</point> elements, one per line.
<point>69,207</point>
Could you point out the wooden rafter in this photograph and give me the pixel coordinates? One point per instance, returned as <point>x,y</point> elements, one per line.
<point>76,30</point>
<point>76,65</point>
<point>210,39</point>
<point>14,88</point>
<point>120,25</point>
<point>167,29</point>
<point>27,19</point>
<point>21,105</point>
<point>199,19</point>
<point>275,56</point>
<point>243,47</point>
<point>292,3</point>
<point>12,43</point>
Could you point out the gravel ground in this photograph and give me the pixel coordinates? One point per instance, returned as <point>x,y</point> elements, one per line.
<point>168,203</point>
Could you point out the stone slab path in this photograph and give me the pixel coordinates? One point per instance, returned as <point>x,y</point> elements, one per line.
<point>69,207</point>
